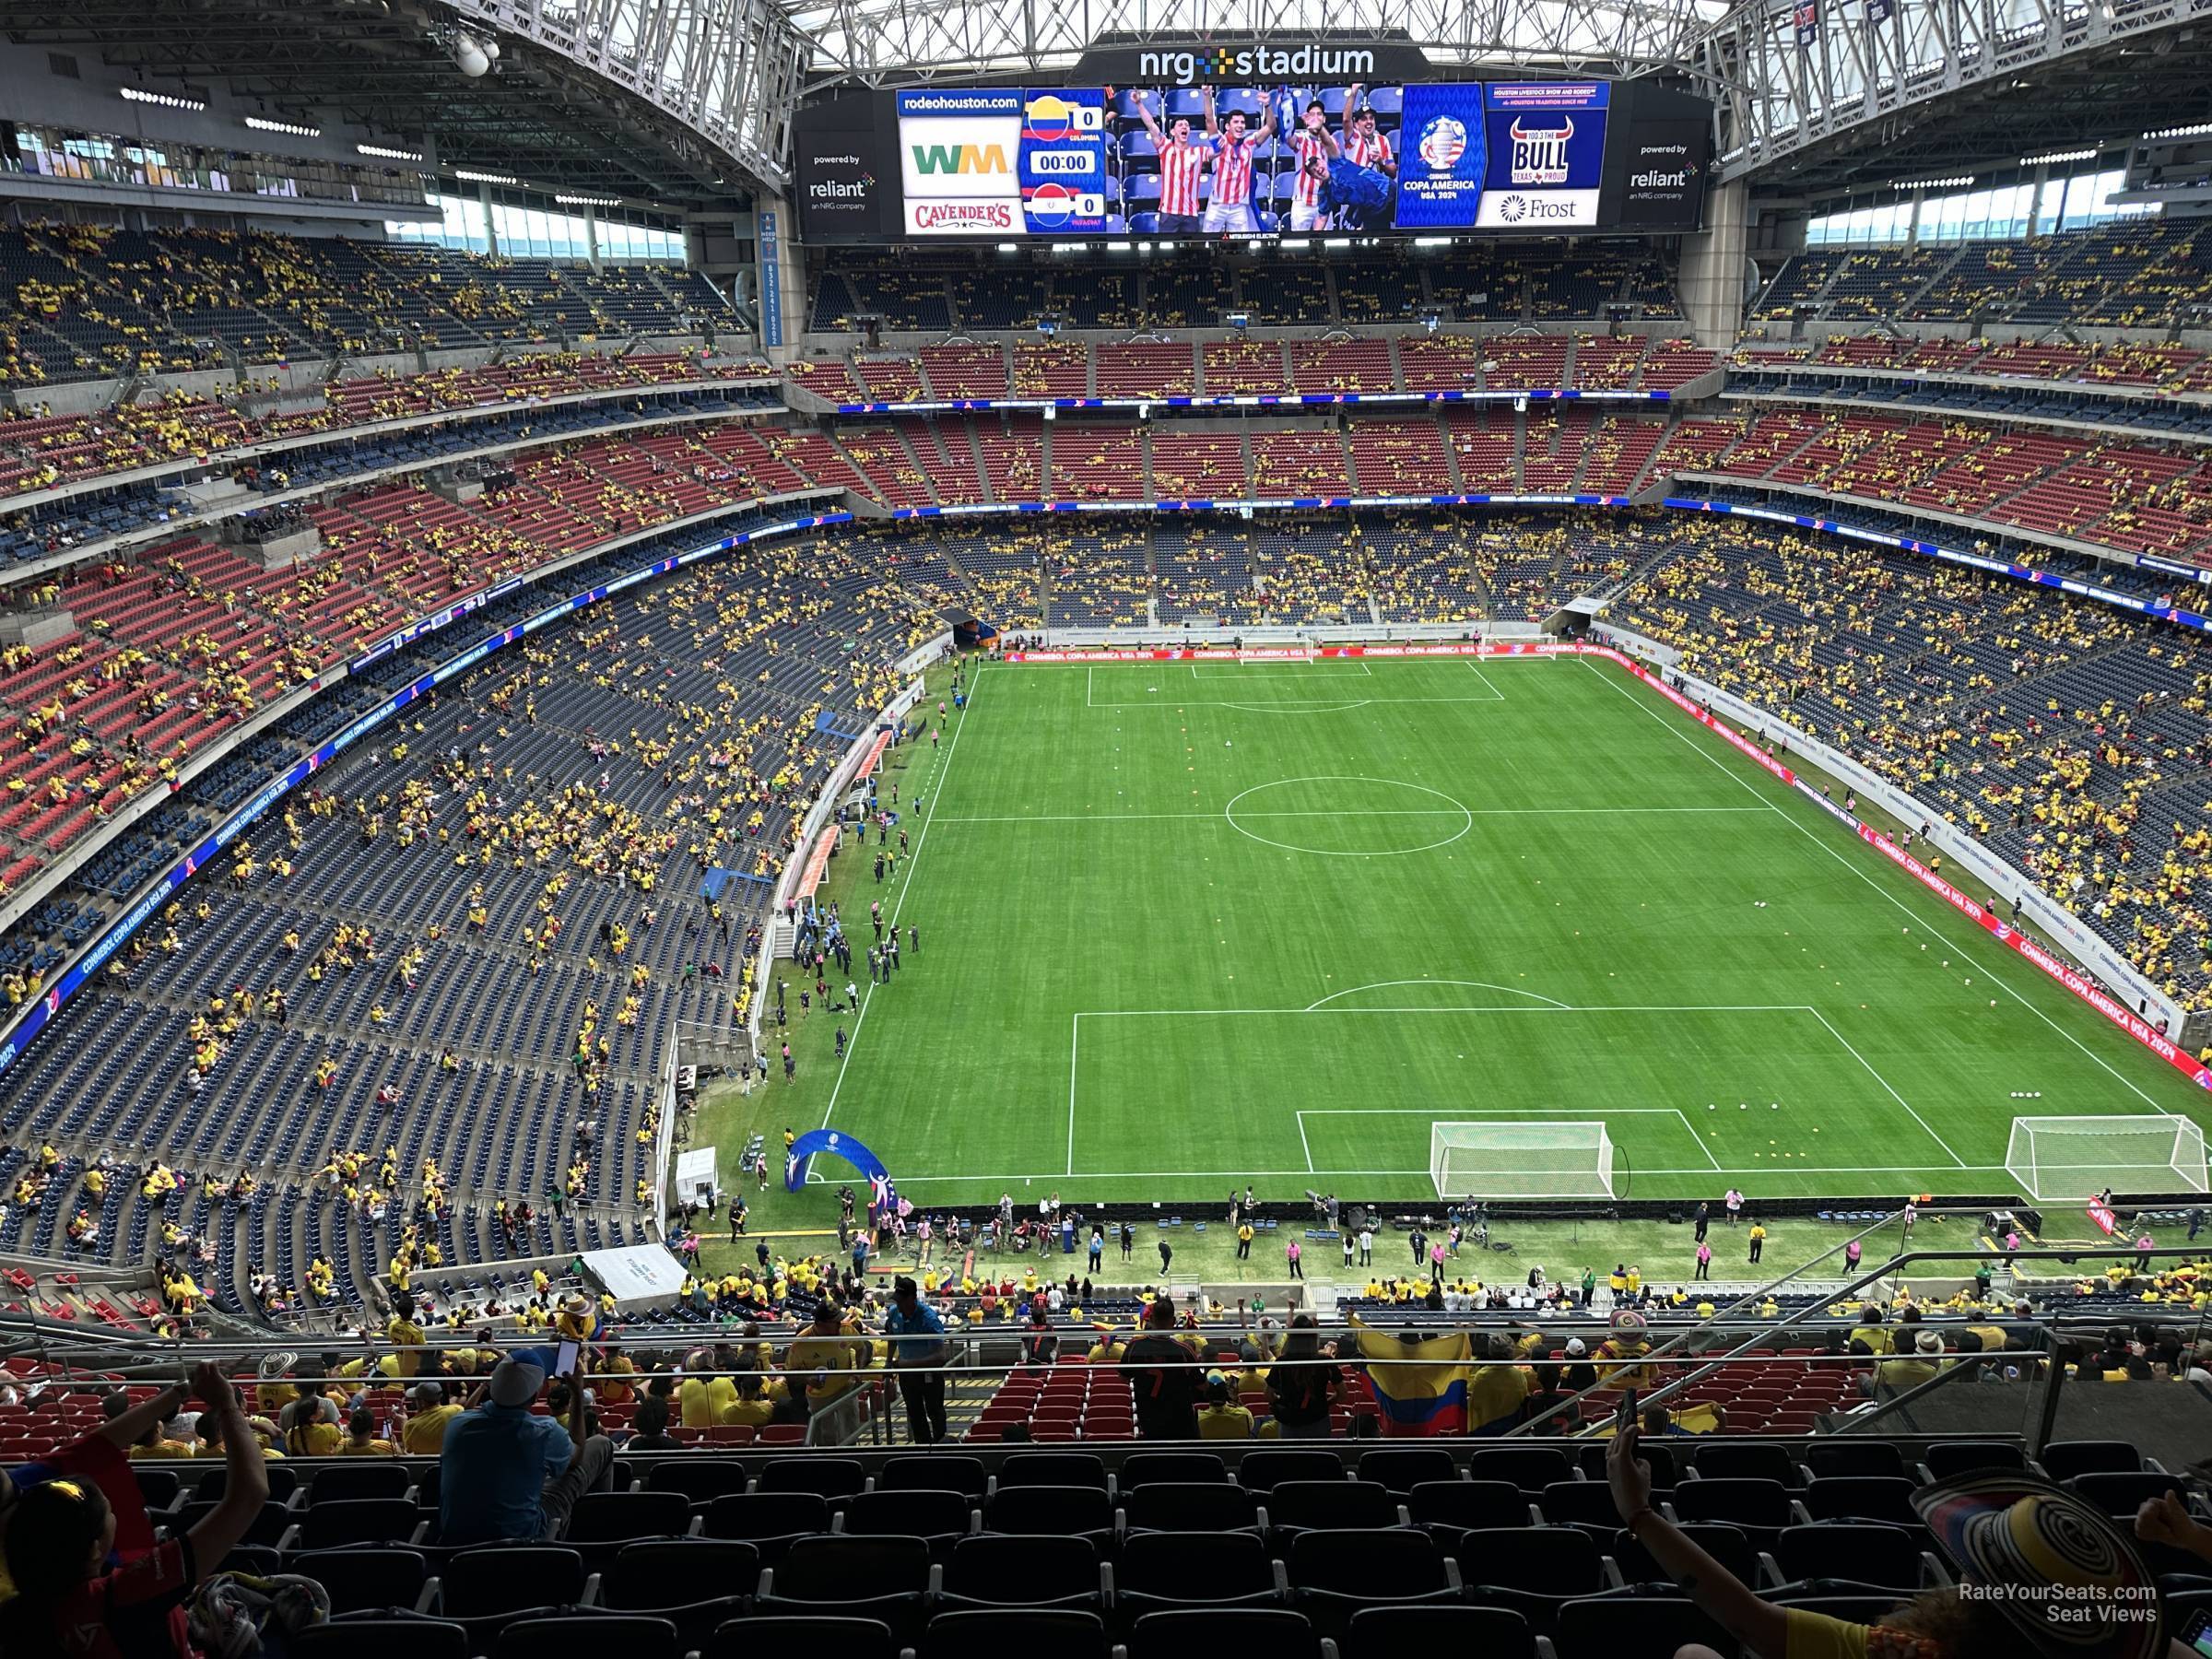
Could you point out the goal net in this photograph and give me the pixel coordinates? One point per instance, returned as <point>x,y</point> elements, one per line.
<point>2069,1158</point>
<point>1521,1159</point>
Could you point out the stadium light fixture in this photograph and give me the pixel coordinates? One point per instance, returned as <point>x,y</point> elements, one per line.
<point>167,101</point>
<point>1431,241</point>
<point>588,201</point>
<point>2197,131</point>
<point>1959,182</point>
<point>1296,244</point>
<point>2055,156</point>
<point>1002,247</point>
<point>262,123</point>
<point>383,152</point>
<point>484,178</point>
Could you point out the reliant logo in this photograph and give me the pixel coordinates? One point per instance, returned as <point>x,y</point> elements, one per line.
<point>1659,181</point>
<point>1540,153</point>
<point>841,189</point>
<point>961,159</point>
<point>1254,63</point>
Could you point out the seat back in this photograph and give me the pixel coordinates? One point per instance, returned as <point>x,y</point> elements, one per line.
<point>1544,1561</point>
<point>1049,1510</point>
<point>830,1478</point>
<point>604,1517</point>
<point>1194,1566</point>
<point>1147,1468</point>
<point>1888,1555</point>
<point>364,1580</point>
<point>1531,1468</point>
<point>1861,1498</point>
<point>1064,1632</point>
<point>758,1516</point>
<point>359,1521</point>
<point>1052,1469</point>
<point>1401,1468</point>
<point>1394,1633</point>
<point>1608,1627</point>
<point>1278,1633</point>
<point>1376,1566</point>
<point>1335,1503</point>
<point>934,1472</point>
<point>1004,1568</point>
<point>1746,1460</point>
<point>837,1568</point>
<point>918,1515</point>
<point>1263,1470</point>
<point>1853,1456</point>
<point>503,1578</point>
<point>1177,1506</point>
<point>1465,1503</point>
<point>1741,1502</point>
<point>1946,1459</point>
<point>672,1573</point>
<point>632,1635</point>
<point>1730,1546</point>
<point>697,1481</point>
<point>360,1479</point>
<point>381,1638</point>
<point>2065,1459</point>
<point>799,1633</point>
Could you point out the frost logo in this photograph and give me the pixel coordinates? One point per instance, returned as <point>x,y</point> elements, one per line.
<point>1540,153</point>
<point>1513,209</point>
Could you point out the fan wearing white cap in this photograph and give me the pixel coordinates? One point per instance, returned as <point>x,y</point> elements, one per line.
<point>2031,1558</point>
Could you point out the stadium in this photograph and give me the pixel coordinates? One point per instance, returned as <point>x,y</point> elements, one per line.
<point>786,783</point>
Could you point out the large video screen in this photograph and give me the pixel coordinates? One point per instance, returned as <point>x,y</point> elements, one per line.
<point>1518,157</point>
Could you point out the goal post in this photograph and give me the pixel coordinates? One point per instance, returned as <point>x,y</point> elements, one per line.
<point>2058,1159</point>
<point>1520,1159</point>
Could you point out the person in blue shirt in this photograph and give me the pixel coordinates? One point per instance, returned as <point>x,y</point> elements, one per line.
<point>505,1473</point>
<point>919,1349</point>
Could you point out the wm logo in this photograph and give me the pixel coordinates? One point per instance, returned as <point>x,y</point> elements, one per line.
<point>961,159</point>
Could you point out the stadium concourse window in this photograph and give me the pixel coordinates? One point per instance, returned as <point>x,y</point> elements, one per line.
<point>529,232</point>
<point>2071,204</point>
<point>110,159</point>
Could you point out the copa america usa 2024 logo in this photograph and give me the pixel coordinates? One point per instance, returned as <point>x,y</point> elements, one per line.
<point>1443,142</point>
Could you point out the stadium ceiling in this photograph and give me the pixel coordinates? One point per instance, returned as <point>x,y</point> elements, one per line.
<point>887,42</point>
<point>1942,88</point>
<point>676,101</point>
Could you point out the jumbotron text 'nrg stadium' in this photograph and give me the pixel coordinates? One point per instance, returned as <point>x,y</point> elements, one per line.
<point>789,714</point>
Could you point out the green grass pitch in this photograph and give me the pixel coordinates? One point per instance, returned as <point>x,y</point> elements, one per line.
<point>1187,926</point>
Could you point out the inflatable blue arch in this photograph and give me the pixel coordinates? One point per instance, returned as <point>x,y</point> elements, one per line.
<point>840,1145</point>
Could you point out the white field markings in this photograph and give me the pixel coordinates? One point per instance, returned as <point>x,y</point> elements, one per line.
<point>1485,678</point>
<point>906,886</point>
<point>1293,705</point>
<point>1270,669</point>
<point>1766,1171</point>
<point>1853,865</point>
<point>1356,812</point>
<point>1509,1111</point>
<point>1541,1005</point>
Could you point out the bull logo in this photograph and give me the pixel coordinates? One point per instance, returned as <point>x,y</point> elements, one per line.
<point>1540,153</point>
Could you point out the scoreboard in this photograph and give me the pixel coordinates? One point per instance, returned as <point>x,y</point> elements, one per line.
<point>1509,157</point>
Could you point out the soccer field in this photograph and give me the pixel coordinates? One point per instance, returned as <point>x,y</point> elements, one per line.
<point>1186,925</point>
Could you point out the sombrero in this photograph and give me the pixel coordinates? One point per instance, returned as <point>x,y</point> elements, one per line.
<point>2067,1578</point>
<point>277,1365</point>
<point>1628,1319</point>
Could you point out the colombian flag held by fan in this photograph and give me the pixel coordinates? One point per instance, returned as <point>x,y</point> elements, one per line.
<point>1424,1391</point>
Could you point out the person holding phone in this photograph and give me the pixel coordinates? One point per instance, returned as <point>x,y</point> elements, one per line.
<point>88,1578</point>
<point>2026,1544</point>
<point>506,1472</point>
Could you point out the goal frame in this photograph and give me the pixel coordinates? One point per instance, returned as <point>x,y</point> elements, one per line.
<point>2047,1181</point>
<point>1508,1135</point>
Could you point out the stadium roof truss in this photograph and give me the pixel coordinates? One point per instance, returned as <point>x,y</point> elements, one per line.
<point>1820,93</point>
<point>880,42</point>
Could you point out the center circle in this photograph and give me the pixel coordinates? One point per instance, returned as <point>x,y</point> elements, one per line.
<point>1342,817</point>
